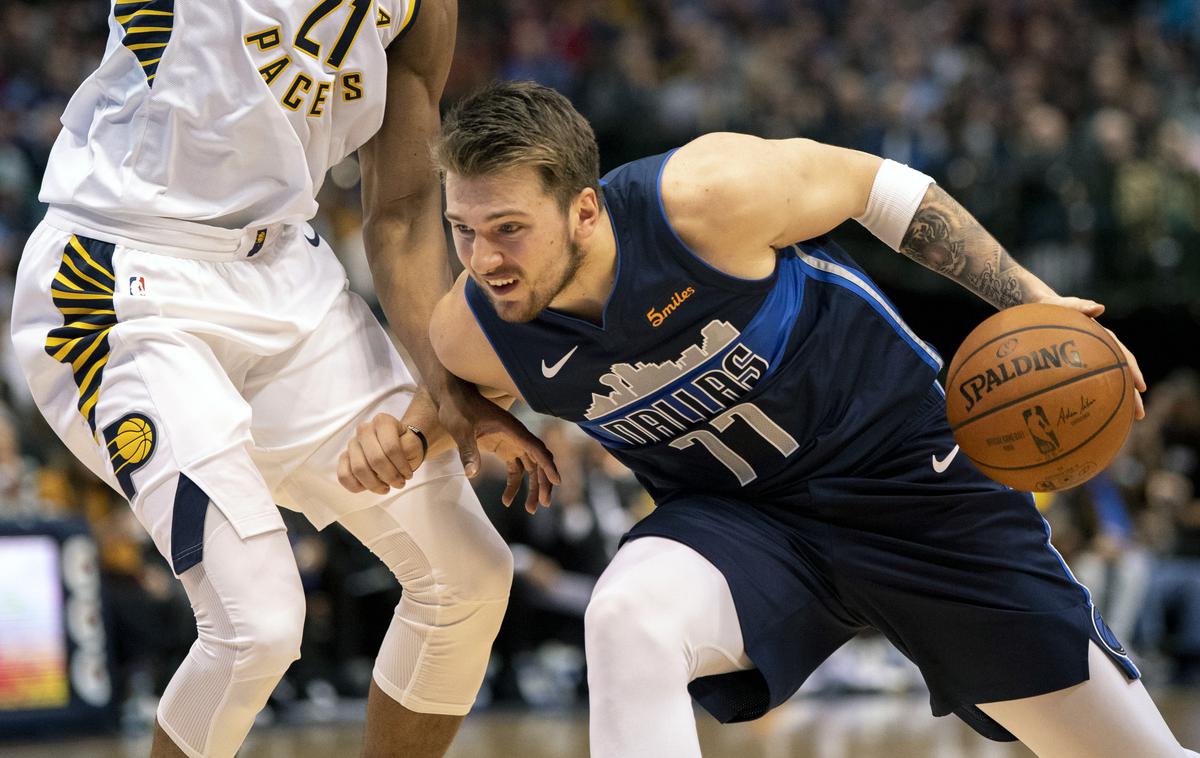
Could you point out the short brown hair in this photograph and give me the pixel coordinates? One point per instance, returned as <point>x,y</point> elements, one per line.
<point>509,124</point>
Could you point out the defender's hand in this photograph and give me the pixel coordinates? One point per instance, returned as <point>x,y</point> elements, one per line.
<point>386,451</point>
<point>1092,309</point>
<point>473,421</point>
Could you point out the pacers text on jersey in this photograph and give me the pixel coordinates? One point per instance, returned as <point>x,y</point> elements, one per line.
<point>303,88</point>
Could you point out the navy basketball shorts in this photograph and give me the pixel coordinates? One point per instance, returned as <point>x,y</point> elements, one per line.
<point>957,571</point>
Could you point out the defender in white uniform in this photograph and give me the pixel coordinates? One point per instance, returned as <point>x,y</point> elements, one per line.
<point>192,341</point>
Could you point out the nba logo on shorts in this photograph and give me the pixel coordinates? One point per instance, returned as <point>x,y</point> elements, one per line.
<point>137,285</point>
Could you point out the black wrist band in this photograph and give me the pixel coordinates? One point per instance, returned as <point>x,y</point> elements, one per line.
<point>421,436</point>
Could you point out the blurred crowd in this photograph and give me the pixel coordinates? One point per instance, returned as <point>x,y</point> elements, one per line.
<point>1070,128</point>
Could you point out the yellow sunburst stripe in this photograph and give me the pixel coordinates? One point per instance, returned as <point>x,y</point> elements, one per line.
<point>83,357</point>
<point>84,325</point>
<point>91,374</point>
<point>133,2</point>
<point>139,29</point>
<point>72,342</point>
<point>86,408</point>
<point>146,45</point>
<point>67,260</point>
<point>148,78</point>
<point>79,295</point>
<point>70,345</point>
<point>127,16</point>
<point>79,249</point>
<point>86,312</point>
<point>58,277</point>
<point>150,63</point>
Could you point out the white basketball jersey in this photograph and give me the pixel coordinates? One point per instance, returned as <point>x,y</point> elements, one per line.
<point>226,113</point>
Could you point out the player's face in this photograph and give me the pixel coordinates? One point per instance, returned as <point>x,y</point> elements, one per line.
<point>513,239</point>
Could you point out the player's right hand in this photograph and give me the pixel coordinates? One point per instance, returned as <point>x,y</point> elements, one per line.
<point>383,454</point>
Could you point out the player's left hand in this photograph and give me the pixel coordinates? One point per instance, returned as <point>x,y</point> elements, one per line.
<point>1092,309</point>
<point>386,451</point>
<point>520,466</point>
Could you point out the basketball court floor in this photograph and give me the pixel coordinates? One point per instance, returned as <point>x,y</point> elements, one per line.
<point>876,726</point>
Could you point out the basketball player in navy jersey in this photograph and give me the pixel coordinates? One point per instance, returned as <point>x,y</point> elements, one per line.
<point>688,312</point>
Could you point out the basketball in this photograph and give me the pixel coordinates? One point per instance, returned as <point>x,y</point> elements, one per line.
<point>1040,397</point>
<point>133,440</point>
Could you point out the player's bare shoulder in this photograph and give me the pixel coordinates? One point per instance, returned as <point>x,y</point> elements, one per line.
<point>462,347</point>
<point>711,190</point>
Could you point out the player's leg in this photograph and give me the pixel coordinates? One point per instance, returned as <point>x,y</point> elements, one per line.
<point>433,535</point>
<point>1108,715</point>
<point>456,573</point>
<point>162,746</point>
<point>248,633</point>
<point>1018,649</point>
<point>240,577</point>
<point>149,409</point>
<point>661,615</point>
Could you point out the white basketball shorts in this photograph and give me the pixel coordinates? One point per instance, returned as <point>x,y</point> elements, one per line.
<point>233,368</point>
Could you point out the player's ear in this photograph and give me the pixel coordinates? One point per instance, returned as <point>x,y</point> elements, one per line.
<point>585,210</point>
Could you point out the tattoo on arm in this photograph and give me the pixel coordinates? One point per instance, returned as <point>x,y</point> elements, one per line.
<point>944,237</point>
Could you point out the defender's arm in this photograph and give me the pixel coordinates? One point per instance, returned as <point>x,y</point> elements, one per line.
<point>406,245</point>
<point>402,229</point>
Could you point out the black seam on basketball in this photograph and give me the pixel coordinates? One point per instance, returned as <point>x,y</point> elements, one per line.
<point>994,340</point>
<point>1099,429</point>
<point>1043,390</point>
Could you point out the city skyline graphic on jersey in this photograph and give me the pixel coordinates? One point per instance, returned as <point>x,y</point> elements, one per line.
<point>631,383</point>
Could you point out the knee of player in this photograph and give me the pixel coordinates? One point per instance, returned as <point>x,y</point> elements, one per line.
<point>620,615</point>
<point>486,578</point>
<point>270,640</point>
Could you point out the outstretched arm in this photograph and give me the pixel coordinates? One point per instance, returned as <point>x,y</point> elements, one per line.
<point>944,237</point>
<point>735,213</point>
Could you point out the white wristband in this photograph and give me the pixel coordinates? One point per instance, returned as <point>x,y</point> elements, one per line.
<point>895,197</point>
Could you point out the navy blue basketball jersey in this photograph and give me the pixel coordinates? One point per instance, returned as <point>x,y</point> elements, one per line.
<point>701,381</point>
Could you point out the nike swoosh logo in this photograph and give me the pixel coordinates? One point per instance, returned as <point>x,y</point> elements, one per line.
<point>314,240</point>
<point>942,465</point>
<point>552,371</point>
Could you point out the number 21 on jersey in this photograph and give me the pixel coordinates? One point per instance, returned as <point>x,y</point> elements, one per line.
<point>303,91</point>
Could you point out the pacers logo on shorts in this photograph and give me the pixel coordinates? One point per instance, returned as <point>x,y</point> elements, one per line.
<point>130,443</point>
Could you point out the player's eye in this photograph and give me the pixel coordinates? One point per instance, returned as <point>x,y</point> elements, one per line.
<point>462,229</point>
<point>509,228</point>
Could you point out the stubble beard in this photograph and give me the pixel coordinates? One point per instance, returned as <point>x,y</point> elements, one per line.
<point>541,297</point>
